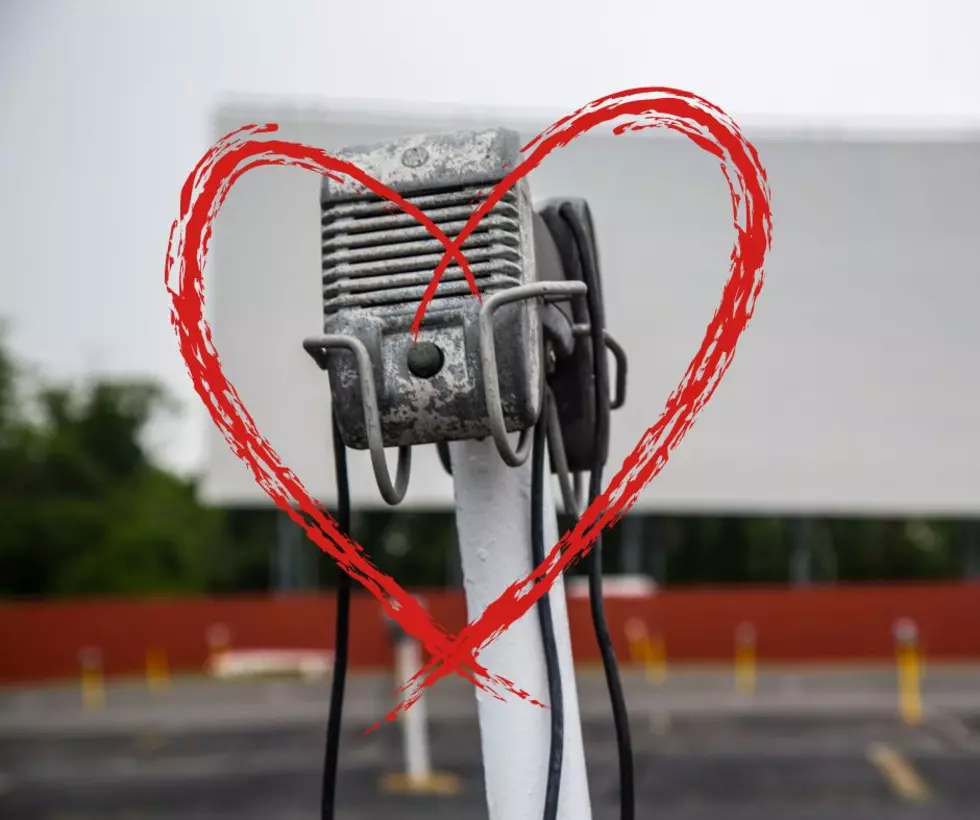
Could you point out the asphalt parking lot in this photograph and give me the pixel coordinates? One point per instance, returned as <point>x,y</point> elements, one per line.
<point>778,760</point>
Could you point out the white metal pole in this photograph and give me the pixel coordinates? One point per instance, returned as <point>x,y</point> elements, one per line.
<point>493,519</point>
<point>415,721</point>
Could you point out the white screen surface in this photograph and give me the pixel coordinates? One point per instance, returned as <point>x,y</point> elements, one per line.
<point>852,388</point>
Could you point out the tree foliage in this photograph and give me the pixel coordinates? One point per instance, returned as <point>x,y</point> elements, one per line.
<point>84,509</point>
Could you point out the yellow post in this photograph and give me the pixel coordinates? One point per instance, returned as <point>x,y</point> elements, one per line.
<point>650,652</point>
<point>657,659</point>
<point>93,680</point>
<point>909,672</point>
<point>636,635</point>
<point>745,660</point>
<point>157,671</point>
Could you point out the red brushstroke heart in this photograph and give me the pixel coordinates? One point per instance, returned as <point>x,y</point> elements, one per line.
<point>201,198</point>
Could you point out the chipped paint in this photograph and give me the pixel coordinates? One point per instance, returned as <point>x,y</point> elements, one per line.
<point>377,262</point>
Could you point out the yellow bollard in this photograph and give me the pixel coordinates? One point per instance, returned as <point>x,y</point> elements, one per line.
<point>909,671</point>
<point>636,635</point>
<point>646,651</point>
<point>157,671</point>
<point>745,660</point>
<point>657,659</point>
<point>93,680</point>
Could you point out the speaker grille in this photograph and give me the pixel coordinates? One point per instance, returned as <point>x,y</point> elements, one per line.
<point>374,254</point>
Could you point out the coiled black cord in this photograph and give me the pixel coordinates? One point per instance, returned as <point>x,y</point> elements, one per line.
<point>600,364</point>
<point>555,695</point>
<point>342,634</point>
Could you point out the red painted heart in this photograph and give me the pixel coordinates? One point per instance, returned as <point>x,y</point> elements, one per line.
<point>201,198</point>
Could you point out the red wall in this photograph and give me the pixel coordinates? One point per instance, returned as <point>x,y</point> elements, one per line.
<point>41,640</point>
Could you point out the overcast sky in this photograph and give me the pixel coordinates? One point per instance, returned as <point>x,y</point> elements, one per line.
<point>106,107</point>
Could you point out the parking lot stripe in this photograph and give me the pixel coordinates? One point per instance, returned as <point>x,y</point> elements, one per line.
<point>956,733</point>
<point>899,773</point>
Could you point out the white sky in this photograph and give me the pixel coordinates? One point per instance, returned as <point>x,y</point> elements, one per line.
<point>106,107</point>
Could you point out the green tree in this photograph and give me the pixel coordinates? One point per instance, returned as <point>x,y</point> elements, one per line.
<point>84,508</point>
